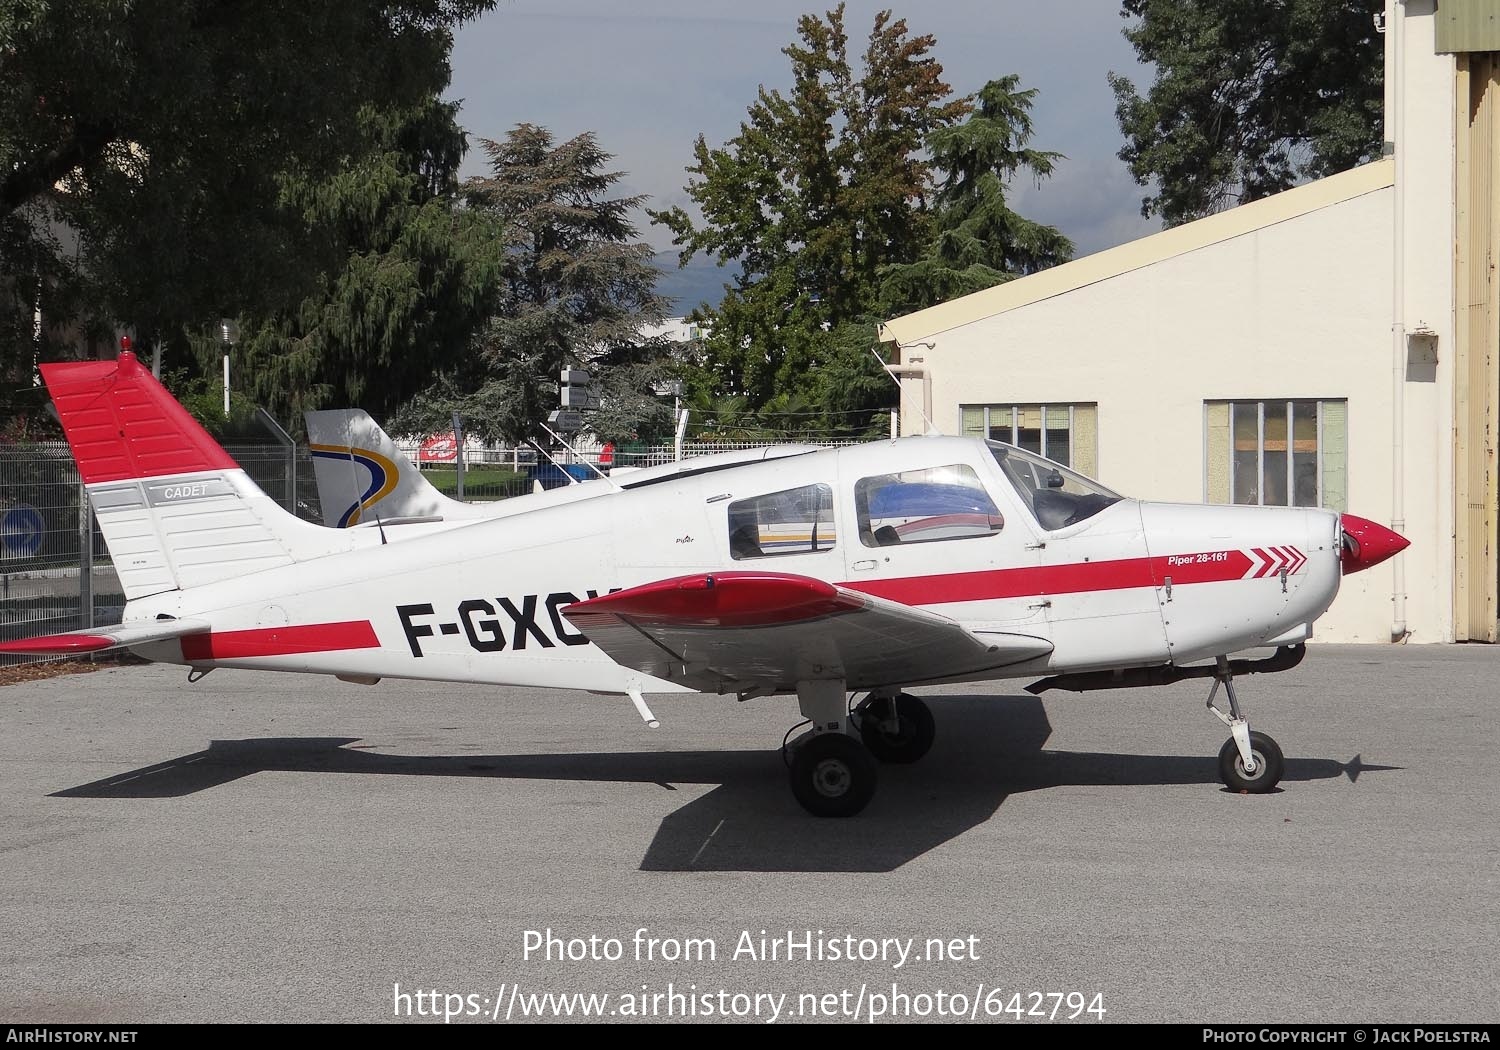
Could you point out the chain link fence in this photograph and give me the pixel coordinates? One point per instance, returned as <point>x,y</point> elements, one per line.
<point>55,571</point>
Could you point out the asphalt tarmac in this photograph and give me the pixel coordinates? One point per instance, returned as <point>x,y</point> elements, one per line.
<point>261,847</point>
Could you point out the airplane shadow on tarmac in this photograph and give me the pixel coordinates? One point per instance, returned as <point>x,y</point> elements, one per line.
<point>988,748</point>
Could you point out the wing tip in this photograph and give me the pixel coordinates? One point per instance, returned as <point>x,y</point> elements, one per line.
<point>57,645</point>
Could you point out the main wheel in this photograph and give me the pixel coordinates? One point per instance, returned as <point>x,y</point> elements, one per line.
<point>833,775</point>
<point>903,739</point>
<point>1269,765</point>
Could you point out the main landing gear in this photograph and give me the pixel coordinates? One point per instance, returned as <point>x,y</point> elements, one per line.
<point>1248,761</point>
<point>832,773</point>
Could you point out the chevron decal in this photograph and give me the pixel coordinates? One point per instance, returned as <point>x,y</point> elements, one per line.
<point>1271,561</point>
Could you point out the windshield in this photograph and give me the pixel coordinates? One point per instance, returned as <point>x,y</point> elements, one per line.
<point>1057,496</point>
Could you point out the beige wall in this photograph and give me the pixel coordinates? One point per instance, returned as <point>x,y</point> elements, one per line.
<point>1296,310</point>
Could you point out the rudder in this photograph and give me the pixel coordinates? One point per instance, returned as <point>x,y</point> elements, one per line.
<point>175,510</point>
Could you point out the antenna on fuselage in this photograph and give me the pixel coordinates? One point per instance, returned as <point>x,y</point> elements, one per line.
<point>932,429</point>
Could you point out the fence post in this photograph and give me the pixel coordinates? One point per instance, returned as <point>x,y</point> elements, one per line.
<point>269,422</point>
<point>85,558</point>
<point>458,458</point>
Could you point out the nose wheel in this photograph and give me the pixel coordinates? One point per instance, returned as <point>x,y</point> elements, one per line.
<point>1268,765</point>
<point>1249,761</point>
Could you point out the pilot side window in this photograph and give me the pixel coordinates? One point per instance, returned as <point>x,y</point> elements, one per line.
<point>918,506</point>
<point>793,521</point>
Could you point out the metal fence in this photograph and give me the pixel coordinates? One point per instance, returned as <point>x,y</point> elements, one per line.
<point>55,571</point>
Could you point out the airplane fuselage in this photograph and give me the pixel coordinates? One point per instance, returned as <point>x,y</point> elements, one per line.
<point>1129,584</point>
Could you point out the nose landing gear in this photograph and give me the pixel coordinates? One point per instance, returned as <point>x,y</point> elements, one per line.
<point>1249,761</point>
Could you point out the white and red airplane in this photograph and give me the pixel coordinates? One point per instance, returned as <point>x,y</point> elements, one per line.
<point>864,570</point>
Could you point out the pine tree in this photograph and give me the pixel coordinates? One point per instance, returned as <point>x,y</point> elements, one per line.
<point>823,186</point>
<point>978,241</point>
<point>575,290</point>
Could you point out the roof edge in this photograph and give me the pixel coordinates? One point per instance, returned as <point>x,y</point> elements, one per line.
<point>1142,252</point>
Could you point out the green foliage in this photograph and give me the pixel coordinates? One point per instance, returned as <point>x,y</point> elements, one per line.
<point>203,396</point>
<point>575,290</point>
<point>409,275</point>
<point>1248,98</point>
<point>977,240</point>
<point>829,203</point>
<point>176,129</point>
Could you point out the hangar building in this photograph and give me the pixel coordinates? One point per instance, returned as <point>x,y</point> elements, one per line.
<point>1334,345</point>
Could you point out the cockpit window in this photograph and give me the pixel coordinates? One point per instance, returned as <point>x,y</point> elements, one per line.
<point>917,506</point>
<point>793,521</point>
<point>1057,496</point>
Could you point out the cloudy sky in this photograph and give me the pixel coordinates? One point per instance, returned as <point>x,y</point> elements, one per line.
<point>647,76</point>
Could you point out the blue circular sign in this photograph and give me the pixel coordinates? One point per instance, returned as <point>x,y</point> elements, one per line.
<point>22,530</point>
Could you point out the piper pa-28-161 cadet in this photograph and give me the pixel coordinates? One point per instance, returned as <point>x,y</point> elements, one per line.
<point>865,570</point>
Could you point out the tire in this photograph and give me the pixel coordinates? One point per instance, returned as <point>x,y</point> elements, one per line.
<point>833,775</point>
<point>1269,765</point>
<point>912,738</point>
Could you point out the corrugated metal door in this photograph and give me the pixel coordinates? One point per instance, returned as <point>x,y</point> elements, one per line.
<point>1477,367</point>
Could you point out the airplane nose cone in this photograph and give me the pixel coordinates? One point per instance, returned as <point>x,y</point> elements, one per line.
<point>1366,543</point>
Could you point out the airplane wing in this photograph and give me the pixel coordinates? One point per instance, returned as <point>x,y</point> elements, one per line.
<point>97,641</point>
<point>763,632</point>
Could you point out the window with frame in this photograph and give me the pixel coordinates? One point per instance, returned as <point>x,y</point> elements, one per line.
<point>919,506</point>
<point>792,521</point>
<point>1277,453</point>
<point>1066,434</point>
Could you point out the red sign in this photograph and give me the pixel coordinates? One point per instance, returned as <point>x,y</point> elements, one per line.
<point>440,448</point>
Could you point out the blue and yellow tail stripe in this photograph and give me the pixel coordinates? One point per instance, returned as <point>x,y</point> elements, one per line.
<point>384,474</point>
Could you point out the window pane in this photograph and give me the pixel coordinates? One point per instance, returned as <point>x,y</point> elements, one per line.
<point>1001,423</point>
<point>1274,461</point>
<point>1305,453</point>
<point>1084,445</point>
<point>1335,456</point>
<point>794,521</point>
<point>973,421</point>
<point>936,503</point>
<point>1216,415</point>
<point>1057,443</point>
<point>1246,451</point>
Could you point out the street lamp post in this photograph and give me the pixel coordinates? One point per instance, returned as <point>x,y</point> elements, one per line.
<point>229,333</point>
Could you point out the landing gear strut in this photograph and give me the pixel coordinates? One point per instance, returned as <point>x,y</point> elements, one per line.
<point>1249,761</point>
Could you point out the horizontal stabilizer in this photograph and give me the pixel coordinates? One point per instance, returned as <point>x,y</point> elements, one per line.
<point>98,641</point>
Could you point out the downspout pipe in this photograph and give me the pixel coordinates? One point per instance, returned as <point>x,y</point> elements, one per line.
<point>1397,25</point>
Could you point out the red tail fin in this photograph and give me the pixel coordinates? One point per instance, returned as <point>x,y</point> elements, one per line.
<point>121,423</point>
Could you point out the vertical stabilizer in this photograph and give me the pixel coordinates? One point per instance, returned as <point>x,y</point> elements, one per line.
<point>174,508</point>
<point>362,475</point>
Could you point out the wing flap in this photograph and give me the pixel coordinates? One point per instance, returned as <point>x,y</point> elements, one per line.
<point>103,639</point>
<point>758,631</point>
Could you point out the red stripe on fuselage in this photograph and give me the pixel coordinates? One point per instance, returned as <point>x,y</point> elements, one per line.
<point>1042,580</point>
<point>280,641</point>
